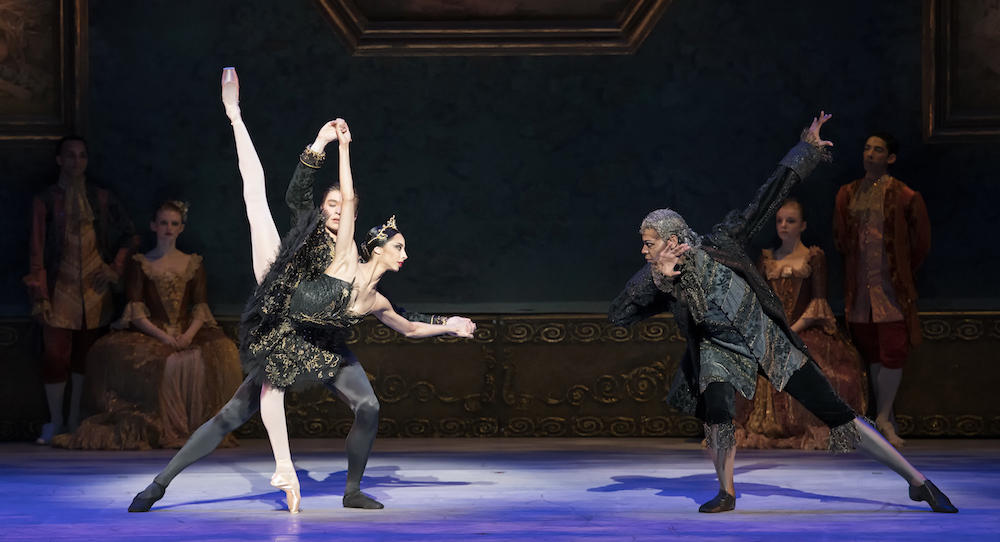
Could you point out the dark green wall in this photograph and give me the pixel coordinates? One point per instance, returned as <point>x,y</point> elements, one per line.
<point>516,180</point>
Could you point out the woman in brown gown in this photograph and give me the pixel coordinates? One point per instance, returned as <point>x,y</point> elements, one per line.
<point>169,367</point>
<point>797,273</point>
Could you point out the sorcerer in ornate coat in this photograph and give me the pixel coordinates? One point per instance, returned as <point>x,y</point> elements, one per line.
<point>735,328</point>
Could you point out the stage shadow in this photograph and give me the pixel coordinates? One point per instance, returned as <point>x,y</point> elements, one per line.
<point>704,486</point>
<point>331,485</point>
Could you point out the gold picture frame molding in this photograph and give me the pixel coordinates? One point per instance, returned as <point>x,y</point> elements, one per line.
<point>71,65</point>
<point>618,35</point>
<point>943,120</point>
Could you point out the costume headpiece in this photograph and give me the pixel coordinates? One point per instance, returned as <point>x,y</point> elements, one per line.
<point>381,235</point>
<point>182,208</point>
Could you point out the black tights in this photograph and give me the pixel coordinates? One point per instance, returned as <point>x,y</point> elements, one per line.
<point>351,385</point>
<point>808,385</point>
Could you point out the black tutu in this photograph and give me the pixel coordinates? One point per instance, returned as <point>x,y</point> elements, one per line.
<point>295,323</point>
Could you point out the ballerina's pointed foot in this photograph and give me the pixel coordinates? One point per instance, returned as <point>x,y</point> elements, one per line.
<point>144,500</point>
<point>357,499</point>
<point>723,502</point>
<point>929,492</point>
<point>231,93</point>
<point>291,489</point>
<point>230,87</point>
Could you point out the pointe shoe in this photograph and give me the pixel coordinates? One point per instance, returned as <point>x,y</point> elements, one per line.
<point>723,502</point>
<point>929,492</point>
<point>890,434</point>
<point>143,504</point>
<point>357,499</point>
<point>230,87</point>
<point>291,489</point>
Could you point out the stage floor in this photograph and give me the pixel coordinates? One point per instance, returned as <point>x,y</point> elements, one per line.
<point>501,489</point>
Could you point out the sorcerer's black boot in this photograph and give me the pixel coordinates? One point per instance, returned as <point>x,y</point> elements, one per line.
<point>929,492</point>
<point>144,500</point>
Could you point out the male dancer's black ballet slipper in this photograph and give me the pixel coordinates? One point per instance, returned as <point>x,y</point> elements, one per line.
<point>357,499</point>
<point>929,492</point>
<point>144,500</point>
<point>723,502</point>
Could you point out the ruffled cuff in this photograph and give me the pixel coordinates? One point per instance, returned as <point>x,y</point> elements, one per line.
<point>114,275</point>
<point>40,306</point>
<point>803,158</point>
<point>37,284</point>
<point>203,313</point>
<point>663,283</point>
<point>312,158</point>
<point>135,310</point>
<point>821,314</point>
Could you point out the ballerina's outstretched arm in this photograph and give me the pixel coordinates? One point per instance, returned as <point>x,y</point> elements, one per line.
<point>345,259</point>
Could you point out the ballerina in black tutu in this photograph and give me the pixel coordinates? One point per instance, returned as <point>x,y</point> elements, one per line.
<point>285,337</point>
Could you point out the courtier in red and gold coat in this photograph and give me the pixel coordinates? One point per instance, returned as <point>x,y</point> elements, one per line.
<point>880,225</point>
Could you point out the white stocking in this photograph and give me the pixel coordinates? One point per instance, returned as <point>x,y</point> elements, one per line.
<point>876,446</point>
<point>272,412</point>
<point>264,238</point>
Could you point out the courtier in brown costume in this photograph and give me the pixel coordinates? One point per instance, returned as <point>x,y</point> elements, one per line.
<point>880,225</point>
<point>80,238</point>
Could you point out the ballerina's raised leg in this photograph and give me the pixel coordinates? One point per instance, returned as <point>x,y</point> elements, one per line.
<point>264,243</point>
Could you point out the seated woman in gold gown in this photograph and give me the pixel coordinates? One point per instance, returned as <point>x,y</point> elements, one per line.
<point>169,367</point>
<point>797,273</point>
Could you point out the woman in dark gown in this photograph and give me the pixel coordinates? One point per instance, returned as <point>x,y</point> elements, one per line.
<point>169,366</point>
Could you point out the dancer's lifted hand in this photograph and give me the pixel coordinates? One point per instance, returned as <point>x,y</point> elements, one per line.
<point>328,133</point>
<point>667,261</point>
<point>343,132</point>
<point>812,133</point>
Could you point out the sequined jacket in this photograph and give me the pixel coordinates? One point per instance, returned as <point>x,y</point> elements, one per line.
<point>726,245</point>
<point>906,236</point>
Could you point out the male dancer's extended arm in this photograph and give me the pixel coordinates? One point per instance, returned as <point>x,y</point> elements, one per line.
<point>299,196</point>
<point>740,226</point>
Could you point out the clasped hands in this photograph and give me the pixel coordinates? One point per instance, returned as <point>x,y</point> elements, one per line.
<point>463,327</point>
<point>177,342</point>
<point>335,130</point>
